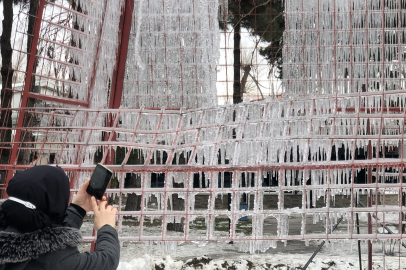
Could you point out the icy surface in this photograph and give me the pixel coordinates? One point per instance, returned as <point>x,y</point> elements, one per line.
<point>344,45</point>
<point>202,167</point>
<point>173,55</point>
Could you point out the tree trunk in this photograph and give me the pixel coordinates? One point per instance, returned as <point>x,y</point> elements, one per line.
<point>30,119</point>
<point>6,93</point>
<point>237,93</point>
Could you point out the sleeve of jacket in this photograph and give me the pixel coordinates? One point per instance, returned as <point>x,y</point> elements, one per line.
<point>74,216</point>
<point>105,257</point>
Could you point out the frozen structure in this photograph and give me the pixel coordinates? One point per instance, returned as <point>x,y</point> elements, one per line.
<point>345,47</point>
<point>173,55</point>
<point>341,116</point>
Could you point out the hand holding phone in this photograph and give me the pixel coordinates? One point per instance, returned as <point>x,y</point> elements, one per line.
<point>103,214</point>
<point>99,181</point>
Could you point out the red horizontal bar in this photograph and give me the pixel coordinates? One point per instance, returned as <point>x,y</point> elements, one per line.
<point>58,99</point>
<point>298,237</point>
<point>342,164</point>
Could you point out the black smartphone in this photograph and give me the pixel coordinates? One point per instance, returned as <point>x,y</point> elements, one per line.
<point>99,181</point>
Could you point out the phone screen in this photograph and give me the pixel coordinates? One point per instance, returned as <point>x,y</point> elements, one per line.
<point>99,181</point>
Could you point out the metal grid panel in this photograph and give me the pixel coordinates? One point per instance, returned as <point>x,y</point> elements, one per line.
<point>181,144</point>
<point>173,48</point>
<point>319,144</point>
<point>73,42</point>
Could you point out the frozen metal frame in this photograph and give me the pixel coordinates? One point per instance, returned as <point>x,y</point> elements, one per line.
<point>191,140</point>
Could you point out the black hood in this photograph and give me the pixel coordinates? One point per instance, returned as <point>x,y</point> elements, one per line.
<point>45,187</point>
<point>16,246</point>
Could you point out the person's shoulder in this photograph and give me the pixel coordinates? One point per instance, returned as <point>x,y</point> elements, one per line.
<point>59,258</point>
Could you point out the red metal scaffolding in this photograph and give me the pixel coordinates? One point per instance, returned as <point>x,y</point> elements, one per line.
<point>296,138</point>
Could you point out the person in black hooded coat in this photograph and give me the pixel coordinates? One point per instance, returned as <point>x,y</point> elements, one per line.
<point>38,230</point>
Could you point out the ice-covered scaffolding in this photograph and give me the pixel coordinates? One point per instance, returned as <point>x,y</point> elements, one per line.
<point>341,117</point>
<point>347,46</point>
<point>173,55</point>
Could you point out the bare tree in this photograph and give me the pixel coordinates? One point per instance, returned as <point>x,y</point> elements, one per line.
<point>6,93</point>
<point>252,72</point>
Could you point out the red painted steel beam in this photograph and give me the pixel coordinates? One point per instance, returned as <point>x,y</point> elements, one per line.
<point>117,84</point>
<point>374,110</point>
<point>169,110</point>
<point>124,39</point>
<point>217,238</point>
<point>342,164</point>
<point>68,101</point>
<point>27,86</point>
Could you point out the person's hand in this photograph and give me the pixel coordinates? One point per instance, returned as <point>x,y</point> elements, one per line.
<point>103,214</point>
<point>82,198</point>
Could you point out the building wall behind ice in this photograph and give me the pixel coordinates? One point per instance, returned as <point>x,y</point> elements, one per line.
<point>173,54</point>
<point>345,46</point>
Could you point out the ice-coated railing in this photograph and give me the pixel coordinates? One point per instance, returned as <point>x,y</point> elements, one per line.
<point>266,148</point>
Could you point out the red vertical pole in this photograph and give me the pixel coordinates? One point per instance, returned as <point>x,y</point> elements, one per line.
<point>119,71</point>
<point>369,199</point>
<point>118,74</point>
<point>27,86</point>
<point>117,83</point>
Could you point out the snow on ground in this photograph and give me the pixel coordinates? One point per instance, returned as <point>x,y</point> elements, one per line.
<point>258,262</point>
<point>137,256</point>
<point>223,255</point>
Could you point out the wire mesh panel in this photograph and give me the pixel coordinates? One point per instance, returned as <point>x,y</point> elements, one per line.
<point>72,43</point>
<point>345,47</point>
<point>174,48</point>
<point>302,165</point>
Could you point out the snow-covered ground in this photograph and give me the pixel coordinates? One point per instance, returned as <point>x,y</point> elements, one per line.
<point>256,262</point>
<point>226,256</point>
<point>223,255</point>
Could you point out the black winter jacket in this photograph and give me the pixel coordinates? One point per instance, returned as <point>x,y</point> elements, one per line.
<point>56,248</point>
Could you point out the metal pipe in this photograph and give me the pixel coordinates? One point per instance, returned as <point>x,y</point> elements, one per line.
<point>320,246</point>
<point>230,167</point>
<point>369,198</point>
<point>359,241</point>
